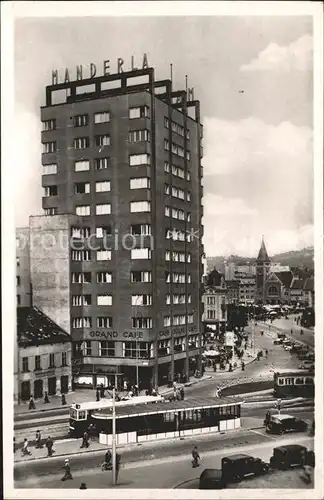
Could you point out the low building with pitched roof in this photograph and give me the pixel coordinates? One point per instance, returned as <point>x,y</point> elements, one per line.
<point>43,356</point>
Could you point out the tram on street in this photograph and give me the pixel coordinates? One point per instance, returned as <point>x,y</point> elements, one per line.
<point>81,413</point>
<point>294,383</point>
<point>165,419</point>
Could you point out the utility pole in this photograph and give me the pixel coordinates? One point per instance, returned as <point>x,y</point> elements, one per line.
<point>114,436</point>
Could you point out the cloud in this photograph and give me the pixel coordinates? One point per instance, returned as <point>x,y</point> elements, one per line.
<point>258,179</point>
<point>295,56</point>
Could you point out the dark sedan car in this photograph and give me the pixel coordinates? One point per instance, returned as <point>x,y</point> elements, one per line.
<point>291,455</point>
<point>237,467</point>
<point>279,424</point>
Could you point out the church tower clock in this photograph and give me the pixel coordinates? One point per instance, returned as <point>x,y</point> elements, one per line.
<point>262,271</point>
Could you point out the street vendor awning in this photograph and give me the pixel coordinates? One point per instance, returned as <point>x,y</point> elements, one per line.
<point>211,353</point>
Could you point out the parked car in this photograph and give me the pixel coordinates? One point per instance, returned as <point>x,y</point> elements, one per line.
<point>211,479</point>
<point>278,341</point>
<point>279,424</point>
<point>237,467</point>
<point>291,455</point>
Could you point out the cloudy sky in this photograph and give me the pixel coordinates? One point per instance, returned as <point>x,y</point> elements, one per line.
<point>253,76</point>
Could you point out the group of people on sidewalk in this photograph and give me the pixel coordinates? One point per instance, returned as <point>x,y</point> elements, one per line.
<point>38,445</point>
<point>47,400</point>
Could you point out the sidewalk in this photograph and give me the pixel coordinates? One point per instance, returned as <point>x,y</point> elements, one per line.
<point>86,395</point>
<point>71,447</point>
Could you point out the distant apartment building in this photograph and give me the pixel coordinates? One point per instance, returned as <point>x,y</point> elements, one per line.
<point>215,301</point>
<point>233,293</point>
<point>247,290</point>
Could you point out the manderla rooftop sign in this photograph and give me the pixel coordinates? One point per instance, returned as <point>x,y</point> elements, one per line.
<point>85,72</point>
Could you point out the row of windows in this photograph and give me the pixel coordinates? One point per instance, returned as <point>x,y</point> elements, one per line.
<point>129,349</point>
<point>102,231</point>
<point>296,380</point>
<point>135,276</point>
<point>176,149</point>
<point>80,120</point>
<point>100,117</point>
<point>101,277</point>
<point>38,362</point>
<point>177,277</point>
<point>86,300</point>
<point>176,192</point>
<point>177,256</point>
<point>176,171</point>
<point>105,208</point>
<point>164,346</point>
<point>175,127</point>
<point>178,320</point>
<point>176,213</point>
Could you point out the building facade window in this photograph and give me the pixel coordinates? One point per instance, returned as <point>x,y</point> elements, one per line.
<point>103,209</point>
<point>81,188</point>
<point>51,360</point>
<point>104,322</point>
<point>104,300</point>
<point>81,120</point>
<point>64,359</point>
<point>107,348</point>
<point>81,166</point>
<point>50,191</point>
<point>49,147</point>
<point>81,143</point>
<point>137,350</point>
<point>211,314</point>
<point>102,140</point>
<point>138,135</point>
<point>87,348</point>
<point>102,117</point>
<point>142,322</point>
<point>139,112</point>
<point>81,255</point>
<point>139,183</point>
<point>82,210</point>
<point>141,277</point>
<point>25,367</point>
<point>80,232</point>
<point>104,277</point>
<point>81,277</point>
<point>142,300</point>
<point>103,254</point>
<point>190,319</point>
<point>102,186</point>
<point>141,253</point>
<point>38,365</point>
<point>102,163</point>
<point>50,169</point>
<point>81,300</point>
<point>141,159</point>
<point>140,206</point>
<point>141,229</point>
<point>167,321</point>
<point>82,322</point>
<point>103,231</point>
<point>50,211</point>
<point>49,125</point>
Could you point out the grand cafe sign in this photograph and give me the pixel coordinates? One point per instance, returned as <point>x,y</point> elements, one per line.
<point>89,71</point>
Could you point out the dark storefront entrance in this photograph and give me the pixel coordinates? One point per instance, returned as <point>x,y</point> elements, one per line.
<point>25,391</point>
<point>52,386</point>
<point>64,384</point>
<point>38,389</point>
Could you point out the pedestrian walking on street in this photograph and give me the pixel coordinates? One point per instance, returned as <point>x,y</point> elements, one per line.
<point>85,440</point>
<point>25,450</point>
<point>266,353</point>
<point>118,462</point>
<point>49,445</point>
<point>38,439</point>
<point>182,393</point>
<point>31,403</point>
<point>67,470</point>
<point>63,399</point>
<point>46,398</point>
<point>195,457</point>
<point>102,391</point>
<point>97,395</point>
<point>243,366</point>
